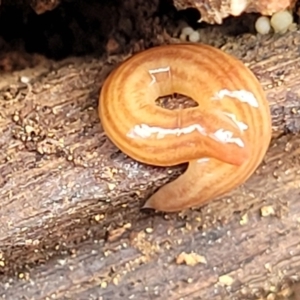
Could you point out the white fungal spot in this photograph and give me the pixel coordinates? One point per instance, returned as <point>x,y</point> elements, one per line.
<point>241,95</point>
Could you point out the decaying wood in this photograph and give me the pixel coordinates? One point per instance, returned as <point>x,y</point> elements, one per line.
<point>42,6</point>
<point>215,11</point>
<point>70,223</point>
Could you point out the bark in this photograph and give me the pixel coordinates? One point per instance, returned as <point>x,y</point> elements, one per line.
<point>215,11</point>
<point>70,223</point>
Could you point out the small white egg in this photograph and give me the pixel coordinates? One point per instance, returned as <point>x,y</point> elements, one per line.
<point>187,30</point>
<point>194,37</point>
<point>262,25</point>
<point>281,21</point>
<point>182,37</point>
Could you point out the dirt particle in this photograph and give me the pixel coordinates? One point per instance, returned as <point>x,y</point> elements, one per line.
<point>112,46</point>
<point>288,147</point>
<point>116,234</point>
<point>29,129</point>
<point>288,291</point>
<point>24,79</point>
<point>268,267</point>
<point>16,118</point>
<point>244,219</point>
<point>190,259</point>
<point>267,210</point>
<point>99,217</point>
<point>111,186</point>
<point>271,296</point>
<point>115,281</point>
<point>226,280</point>
<point>149,230</point>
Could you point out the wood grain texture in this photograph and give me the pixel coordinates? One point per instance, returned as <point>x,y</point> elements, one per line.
<point>257,255</point>
<point>68,229</point>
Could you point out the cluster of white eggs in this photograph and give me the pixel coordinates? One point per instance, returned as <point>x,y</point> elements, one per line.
<point>189,34</point>
<point>280,22</point>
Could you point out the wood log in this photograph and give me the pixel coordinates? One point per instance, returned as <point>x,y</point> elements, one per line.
<point>71,225</point>
<point>215,11</point>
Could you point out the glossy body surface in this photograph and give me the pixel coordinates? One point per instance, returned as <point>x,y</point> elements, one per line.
<point>223,139</point>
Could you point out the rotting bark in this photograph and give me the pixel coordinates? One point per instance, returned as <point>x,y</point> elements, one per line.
<point>215,11</point>
<point>70,200</point>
